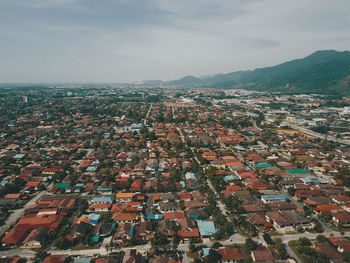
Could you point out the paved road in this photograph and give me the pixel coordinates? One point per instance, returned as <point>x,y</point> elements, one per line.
<point>236,238</point>
<point>318,135</point>
<point>147,114</point>
<point>23,252</point>
<point>218,201</point>
<point>292,254</point>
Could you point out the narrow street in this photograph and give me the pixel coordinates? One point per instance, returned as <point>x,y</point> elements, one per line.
<point>218,201</point>
<point>17,214</point>
<point>147,114</point>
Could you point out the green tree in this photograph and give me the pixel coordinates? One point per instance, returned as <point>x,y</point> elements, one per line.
<point>268,239</point>
<point>213,256</point>
<point>250,245</point>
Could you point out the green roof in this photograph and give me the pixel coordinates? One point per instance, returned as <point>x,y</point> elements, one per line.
<point>298,171</point>
<point>95,239</point>
<point>62,185</point>
<point>263,165</point>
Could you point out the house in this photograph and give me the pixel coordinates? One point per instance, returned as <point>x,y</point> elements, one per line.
<point>154,217</point>
<point>36,238</point>
<point>253,208</point>
<point>195,204</point>
<point>342,219</point>
<point>14,197</point>
<point>231,254</point>
<point>125,231</point>
<point>313,180</point>
<point>56,259</point>
<point>328,208</point>
<point>341,199</point>
<point>286,220</point>
<point>125,217</point>
<point>104,229</point>
<point>185,196</point>
<point>210,156</point>
<point>303,194</point>
<point>14,237</point>
<point>317,200</point>
<point>174,215</point>
<point>144,230</point>
<point>206,228</point>
<point>330,252</point>
<point>259,220</point>
<point>344,246</point>
<point>94,218</point>
<point>277,206</point>
<point>81,229</point>
<point>124,197</point>
<point>136,186</point>
<point>104,207</point>
<point>131,256</point>
<point>168,207</point>
<point>274,198</point>
<point>102,200</point>
<point>262,255</point>
<point>188,233</point>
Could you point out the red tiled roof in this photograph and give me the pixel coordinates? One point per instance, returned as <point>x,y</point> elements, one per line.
<point>228,254</point>
<point>55,259</point>
<point>14,236</point>
<point>33,183</point>
<point>104,205</point>
<point>124,217</point>
<point>185,196</point>
<point>12,196</point>
<point>327,208</point>
<point>190,233</point>
<point>174,215</point>
<point>33,221</point>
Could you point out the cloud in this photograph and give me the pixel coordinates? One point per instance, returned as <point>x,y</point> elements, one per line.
<point>127,40</point>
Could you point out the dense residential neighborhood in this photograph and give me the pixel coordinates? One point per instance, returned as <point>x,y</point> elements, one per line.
<point>169,174</point>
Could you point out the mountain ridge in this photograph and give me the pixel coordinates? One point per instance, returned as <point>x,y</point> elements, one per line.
<point>324,71</point>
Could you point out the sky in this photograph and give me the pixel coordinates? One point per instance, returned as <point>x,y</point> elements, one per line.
<point>112,41</point>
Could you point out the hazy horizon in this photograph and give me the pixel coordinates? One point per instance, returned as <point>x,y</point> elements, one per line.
<point>120,41</point>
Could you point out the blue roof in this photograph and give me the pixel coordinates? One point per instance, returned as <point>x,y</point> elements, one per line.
<point>205,251</point>
<point>230,177</point>
<point>91,169</point>
<point>4,182</point>
<point>132,230</point>
<point>206,228</point>
<point>94,217</point>
<point>102,189</point>
<point>190,176</point>
<point>102,199</point>
<point>313,180</point>
<point>154,216</point>
<point>275,198</point>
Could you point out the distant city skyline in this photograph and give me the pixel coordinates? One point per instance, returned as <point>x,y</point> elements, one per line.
<point>52,41</point>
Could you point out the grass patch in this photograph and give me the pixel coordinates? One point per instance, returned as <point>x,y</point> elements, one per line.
<point>85,247</point>
<point>305,158</point>
<point>192,255</point>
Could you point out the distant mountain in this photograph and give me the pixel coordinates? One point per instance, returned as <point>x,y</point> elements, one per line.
<point>325,71</point>
<point>186,81</point>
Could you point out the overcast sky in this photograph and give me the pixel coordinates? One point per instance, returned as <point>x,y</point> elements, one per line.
<point>130,40</point>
